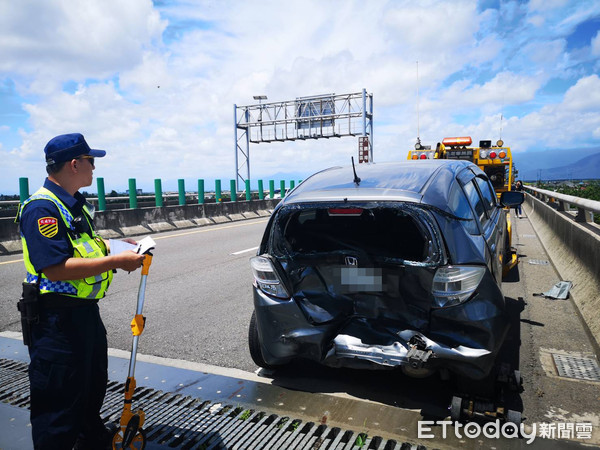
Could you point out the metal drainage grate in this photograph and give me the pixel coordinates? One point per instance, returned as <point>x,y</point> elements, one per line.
<point>576,367</point>
<point>175,421</point>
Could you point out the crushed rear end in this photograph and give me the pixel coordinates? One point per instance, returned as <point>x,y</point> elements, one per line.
<point>370,285</point>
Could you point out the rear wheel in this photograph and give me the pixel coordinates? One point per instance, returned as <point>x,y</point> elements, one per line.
<point>254,345</point>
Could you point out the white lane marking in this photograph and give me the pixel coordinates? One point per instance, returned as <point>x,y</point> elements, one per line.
<point>244,251</point>
<point>11,262</point>
<point>214,227</point>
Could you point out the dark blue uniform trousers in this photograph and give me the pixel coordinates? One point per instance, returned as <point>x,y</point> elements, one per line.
<point>68,375</point>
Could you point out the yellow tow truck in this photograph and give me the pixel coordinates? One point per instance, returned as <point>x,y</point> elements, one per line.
<point>495,160</point>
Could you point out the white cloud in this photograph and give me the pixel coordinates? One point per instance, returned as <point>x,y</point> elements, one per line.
<point>585,95</point>
<point>64,40</point>
<point>472,66</point>
<point>546,53</point>
<point>595,44</point>
<point>545,5</point>
<point>536,20</point>
<point>504,88</point>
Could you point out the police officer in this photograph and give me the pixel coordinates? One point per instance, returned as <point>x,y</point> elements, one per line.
<point>70,265</point>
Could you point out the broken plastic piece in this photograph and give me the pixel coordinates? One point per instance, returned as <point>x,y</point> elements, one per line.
<point>560,291</point>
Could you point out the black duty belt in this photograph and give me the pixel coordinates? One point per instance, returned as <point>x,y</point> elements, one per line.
<point>53,300</point>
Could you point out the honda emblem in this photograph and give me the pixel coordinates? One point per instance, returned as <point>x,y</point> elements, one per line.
<point>351,261</point>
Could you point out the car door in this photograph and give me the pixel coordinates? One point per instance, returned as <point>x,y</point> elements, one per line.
<point>494,230</point>
<point>483,201</point>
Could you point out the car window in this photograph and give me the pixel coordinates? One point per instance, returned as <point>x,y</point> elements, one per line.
<point>489,196</point>
<point>460,207</point>
<point>386,232</point>
<point>476,201</point>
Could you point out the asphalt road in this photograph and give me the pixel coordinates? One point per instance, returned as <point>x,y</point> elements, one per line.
<point>198,299</point>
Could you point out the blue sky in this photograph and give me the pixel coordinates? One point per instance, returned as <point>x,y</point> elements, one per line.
<point>95,66</point>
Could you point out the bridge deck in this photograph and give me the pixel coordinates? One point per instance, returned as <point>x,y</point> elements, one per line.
<point>309,405</point>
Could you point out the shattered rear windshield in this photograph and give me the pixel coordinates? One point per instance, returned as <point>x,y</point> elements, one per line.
<point>396,232</point>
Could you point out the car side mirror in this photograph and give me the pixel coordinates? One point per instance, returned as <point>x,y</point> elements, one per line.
<point>512,199</point>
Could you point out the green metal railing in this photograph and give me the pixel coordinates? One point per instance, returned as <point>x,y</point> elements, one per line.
<point>159,197</point>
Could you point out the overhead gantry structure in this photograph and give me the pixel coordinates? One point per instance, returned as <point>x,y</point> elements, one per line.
<point>314,117</point>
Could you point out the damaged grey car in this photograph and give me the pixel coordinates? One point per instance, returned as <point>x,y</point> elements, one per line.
<point>385,266</point>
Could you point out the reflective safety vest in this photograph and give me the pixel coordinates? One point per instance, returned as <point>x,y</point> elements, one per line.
<point>85,245</point>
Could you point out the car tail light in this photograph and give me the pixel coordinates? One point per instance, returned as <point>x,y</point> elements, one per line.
<point>483,154</point>
<point>266,278</point>
<point>492,155</point>
<point>453,285</point>
<point>502,155</point>
<point>423,156</point>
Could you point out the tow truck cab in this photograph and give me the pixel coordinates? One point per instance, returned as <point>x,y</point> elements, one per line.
<point>495,160</point>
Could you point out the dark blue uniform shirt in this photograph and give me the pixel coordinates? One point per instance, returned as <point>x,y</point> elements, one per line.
<point>46,251</point>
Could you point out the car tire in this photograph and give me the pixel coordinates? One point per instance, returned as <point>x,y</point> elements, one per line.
<point>254,345</point>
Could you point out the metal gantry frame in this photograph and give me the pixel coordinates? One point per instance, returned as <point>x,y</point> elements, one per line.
<point>314,117</point>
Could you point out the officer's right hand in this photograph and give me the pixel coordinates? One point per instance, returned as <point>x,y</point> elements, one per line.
<point>129,260</point>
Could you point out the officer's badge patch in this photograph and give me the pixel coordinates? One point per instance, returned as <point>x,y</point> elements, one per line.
<point>48,226</point>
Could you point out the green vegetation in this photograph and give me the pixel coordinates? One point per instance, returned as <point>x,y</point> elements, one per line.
<point>360,440</point>
<point>585,189</point>
<point>246,414</point>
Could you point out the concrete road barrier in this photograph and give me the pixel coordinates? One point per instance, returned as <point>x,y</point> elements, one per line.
<point>120,223</point>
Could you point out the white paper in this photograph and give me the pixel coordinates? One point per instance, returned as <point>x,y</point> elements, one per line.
<point>118,246</point>
<point>145,245</point>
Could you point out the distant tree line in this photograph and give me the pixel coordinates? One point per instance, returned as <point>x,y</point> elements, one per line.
<point>585,189</point>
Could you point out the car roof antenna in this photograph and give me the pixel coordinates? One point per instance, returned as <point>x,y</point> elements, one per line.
<point>418,144</point>
<point>356,177</point>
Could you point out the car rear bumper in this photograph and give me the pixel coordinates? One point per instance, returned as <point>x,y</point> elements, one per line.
<point>285,333</point>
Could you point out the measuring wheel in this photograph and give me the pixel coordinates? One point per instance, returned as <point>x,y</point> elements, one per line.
<point>131,439</point>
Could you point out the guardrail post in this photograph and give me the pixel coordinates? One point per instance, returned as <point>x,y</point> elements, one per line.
<point>23,189</point>
<point>101,194</point>
<point>261,192</point>
<point>181,188</point>
<point>200,192</point>
<point>132,194</point>
<point>582,215</point>
<point>233,190</point>
<point>217,191</point>
<point>282,187</point>
<point>248,193</point>
<point>271,188</point>
<point>158,198</point>
<point>561,206</point>
<point>292,184</point>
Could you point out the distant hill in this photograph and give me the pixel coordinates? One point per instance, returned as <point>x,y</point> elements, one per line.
<point>558,166</point>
